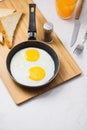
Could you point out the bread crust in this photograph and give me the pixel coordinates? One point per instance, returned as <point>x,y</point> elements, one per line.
<point>5,36</point>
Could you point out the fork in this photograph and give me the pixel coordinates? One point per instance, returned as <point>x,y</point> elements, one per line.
<point>80,47</point>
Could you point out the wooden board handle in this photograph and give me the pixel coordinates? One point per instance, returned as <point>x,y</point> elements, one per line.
<point>79,8</point>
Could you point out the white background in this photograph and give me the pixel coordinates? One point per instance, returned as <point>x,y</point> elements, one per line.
<point>62,108</point>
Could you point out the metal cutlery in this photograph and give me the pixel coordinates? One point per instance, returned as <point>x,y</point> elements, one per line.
<point>80,47</point>
<point>77,23</point>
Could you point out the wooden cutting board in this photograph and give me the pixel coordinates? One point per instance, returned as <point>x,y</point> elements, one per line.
<point>68,67</point>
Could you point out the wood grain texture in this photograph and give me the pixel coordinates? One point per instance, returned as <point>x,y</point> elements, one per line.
<point>68,67</point>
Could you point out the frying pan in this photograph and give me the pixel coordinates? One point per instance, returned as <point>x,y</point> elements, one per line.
<point>32,42</point>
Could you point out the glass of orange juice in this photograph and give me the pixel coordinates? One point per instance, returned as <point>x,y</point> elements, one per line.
<point>65,8</point>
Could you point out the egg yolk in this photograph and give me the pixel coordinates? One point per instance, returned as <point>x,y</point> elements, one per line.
<point>32,55</point>
<point>36,73</point>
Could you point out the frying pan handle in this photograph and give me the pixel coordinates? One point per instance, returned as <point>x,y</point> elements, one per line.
<point>32,22</point>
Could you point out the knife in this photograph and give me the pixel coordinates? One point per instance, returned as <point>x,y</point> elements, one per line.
<point>77,23</point>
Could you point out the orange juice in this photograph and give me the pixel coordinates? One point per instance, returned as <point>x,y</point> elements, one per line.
<point>65,8</point>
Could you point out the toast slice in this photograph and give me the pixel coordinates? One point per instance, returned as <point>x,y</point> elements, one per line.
<point>5,11</point>
<point>8,26</point>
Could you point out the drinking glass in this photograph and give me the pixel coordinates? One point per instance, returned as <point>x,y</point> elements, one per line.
<point>65,8</point>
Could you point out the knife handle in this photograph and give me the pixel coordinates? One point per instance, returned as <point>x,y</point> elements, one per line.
<point>79,8</point>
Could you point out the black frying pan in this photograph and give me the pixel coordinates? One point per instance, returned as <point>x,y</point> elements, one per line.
<point>32,42</point>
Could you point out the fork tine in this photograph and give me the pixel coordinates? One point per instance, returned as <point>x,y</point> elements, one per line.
<point>74,50</point>
<point>77,51</point>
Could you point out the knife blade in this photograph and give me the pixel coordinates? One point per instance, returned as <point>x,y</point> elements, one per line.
<point>76,23</point>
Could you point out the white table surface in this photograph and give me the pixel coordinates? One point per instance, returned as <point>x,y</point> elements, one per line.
<point>62,108</point>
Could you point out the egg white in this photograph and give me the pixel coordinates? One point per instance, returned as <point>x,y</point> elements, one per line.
<point>19,67</point>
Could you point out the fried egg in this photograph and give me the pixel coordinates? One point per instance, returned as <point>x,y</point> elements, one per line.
<point>32,66</point>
